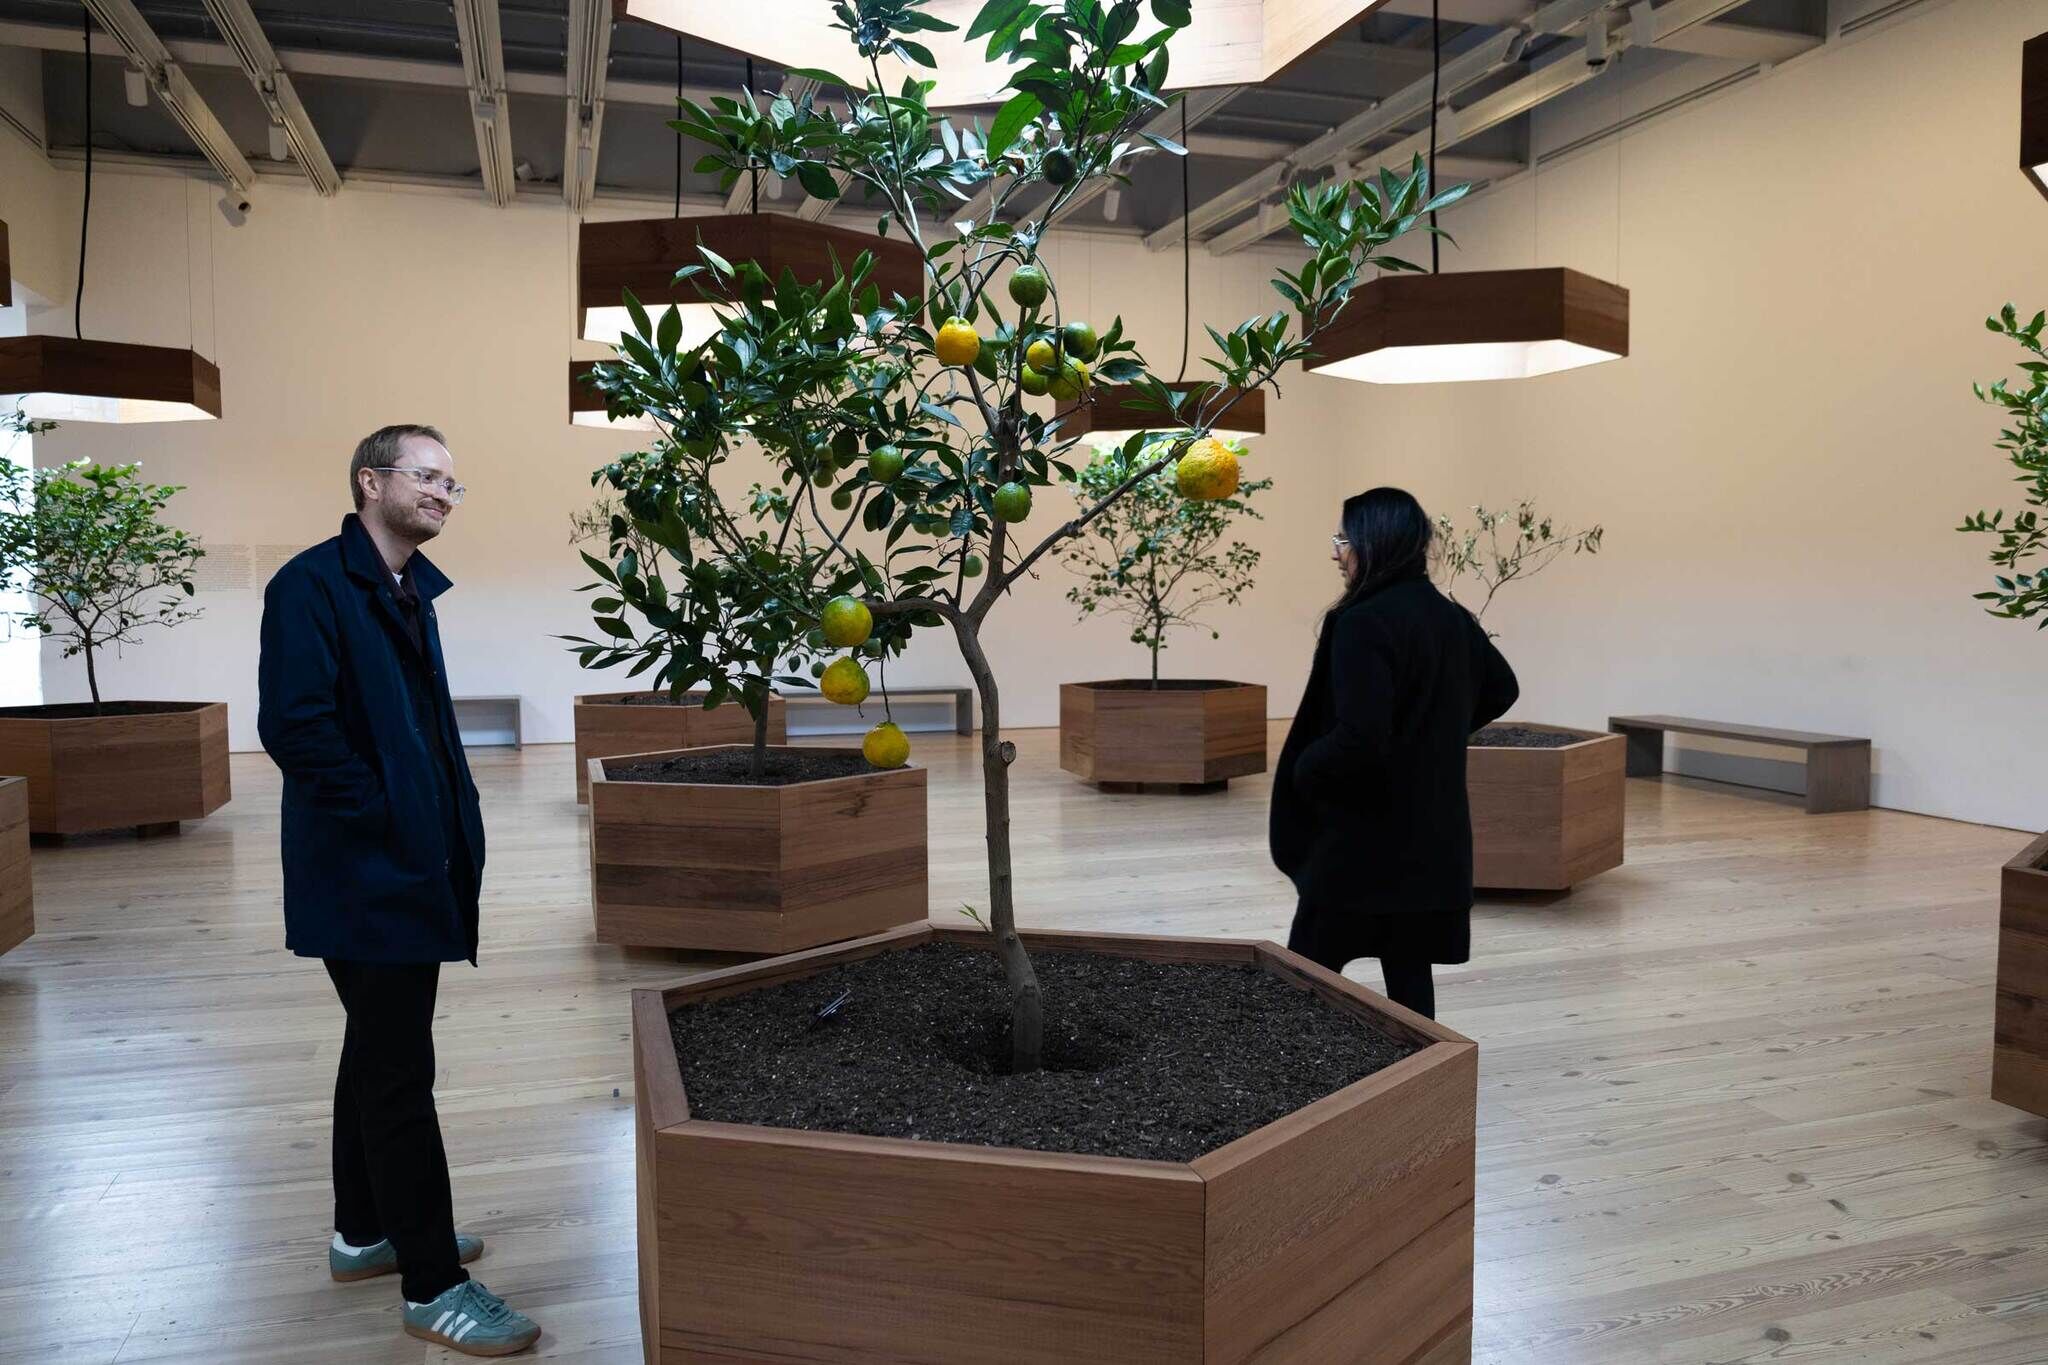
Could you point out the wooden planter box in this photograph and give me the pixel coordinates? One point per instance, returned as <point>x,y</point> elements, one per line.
<point>1546,819</point>
<point>607,727</point>
<point>2019,1052</point>
<point>726,868</point>
<point>17,901</point>
<point>1341,1232</point>
<point>1122,734</point>
<point>148,770</point>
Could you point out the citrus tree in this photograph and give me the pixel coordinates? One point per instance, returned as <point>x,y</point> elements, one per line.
<point>86,542</point>
<point>905,446</point>
<point>2017,593</point>
<point>1503,546</point>
<point>1157,556</point>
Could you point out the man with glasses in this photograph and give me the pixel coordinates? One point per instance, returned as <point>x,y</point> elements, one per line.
<point>383,847</point>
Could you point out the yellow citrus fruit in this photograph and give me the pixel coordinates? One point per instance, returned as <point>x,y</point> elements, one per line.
<point>1040,356</point>
<point>957,343</point>
<point>1072,378</point>
<point>886,746</point>
<point>846,622</point>
<point>844,681</point>
<point>1207,472</point>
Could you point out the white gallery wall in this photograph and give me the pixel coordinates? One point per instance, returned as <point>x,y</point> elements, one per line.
<point>330,318</point>
<point>1781,461</point>
<point>1779,464</point>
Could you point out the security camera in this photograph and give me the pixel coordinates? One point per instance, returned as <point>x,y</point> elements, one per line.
<point>1597,41</point>
<point>234,207</point>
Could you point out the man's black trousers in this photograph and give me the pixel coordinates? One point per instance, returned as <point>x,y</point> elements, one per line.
<point>390,1172</point>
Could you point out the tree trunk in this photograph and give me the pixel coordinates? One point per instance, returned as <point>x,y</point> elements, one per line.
<point>757,766</point>
<point>92,677</point>
<point>1155,662</point>
<point>1027,1008</point>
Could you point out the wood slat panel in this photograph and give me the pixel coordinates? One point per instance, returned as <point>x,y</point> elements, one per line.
<point>109,772</point>
<point>1173,737</point>
<point>1546,819</point>
<point>17,894</point>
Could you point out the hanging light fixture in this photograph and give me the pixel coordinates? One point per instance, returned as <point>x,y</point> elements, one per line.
<point>70,379</point>
<point>1480,324</point>
<point>6,272</point>
<point>1113,413</point>
<point>2034,111</point>
<point>587,405</point>
<point>643,255</point>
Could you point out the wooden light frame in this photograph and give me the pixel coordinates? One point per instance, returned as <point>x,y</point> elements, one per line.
<point>1477,324</point>
<point>644,254</point>
<point>66,380</point>
<point>6,272</point>
<point>1117,412</point>
<point>2034,111</point>
<point>587,406</point>
<point>1229,42</point>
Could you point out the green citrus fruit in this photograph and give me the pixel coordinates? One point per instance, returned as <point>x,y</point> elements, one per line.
<point>1041,356</point>
<point>1068,383</point>
<point>973,566</point>
<point>1079,340</point>
<point>1033,381</point>
<point>1058,166</point>
<point>884,464</point>
<point>844,681</point>
<point>1027,286</point>
<point>1012,502</point>
<point>957,343</point>
<point>886,746</point>
<point>846,622</point>
<point>842,497</point>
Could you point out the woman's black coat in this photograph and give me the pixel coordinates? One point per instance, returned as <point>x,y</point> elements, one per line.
<point>1369,808</point>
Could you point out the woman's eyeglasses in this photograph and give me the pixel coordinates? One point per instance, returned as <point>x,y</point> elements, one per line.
<point>426,478</point>
<point>1339,544</point>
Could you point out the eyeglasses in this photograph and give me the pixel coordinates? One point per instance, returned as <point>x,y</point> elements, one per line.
<point>426,478</point>
<point>1337,543</point>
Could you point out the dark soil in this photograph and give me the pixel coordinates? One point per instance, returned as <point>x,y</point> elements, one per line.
<point>1143,1059</point>
<point>695,699</point>
<point>1521,737</point>
<point>74,710</point>
<point>734,768</point>
<point>1163,685</point>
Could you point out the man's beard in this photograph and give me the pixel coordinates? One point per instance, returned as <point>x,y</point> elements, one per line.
<point>418,527</point>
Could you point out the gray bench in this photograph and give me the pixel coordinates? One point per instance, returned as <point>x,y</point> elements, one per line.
<point>961,697</point>
<point>1837,766</point>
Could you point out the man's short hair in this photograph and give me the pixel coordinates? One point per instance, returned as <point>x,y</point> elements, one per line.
<point>380,449</point>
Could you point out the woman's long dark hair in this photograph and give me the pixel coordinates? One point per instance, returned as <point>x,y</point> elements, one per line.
<point>1390,537</point>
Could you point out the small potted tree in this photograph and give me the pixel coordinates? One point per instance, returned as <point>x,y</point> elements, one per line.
<point>611,723</point>
<point>1548,801</point>
<point>864,1148</point>
<point>1159,558</point>
<point>2019,592</point>
<point>88,546</point>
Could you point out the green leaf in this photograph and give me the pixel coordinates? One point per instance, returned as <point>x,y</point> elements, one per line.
<point>1172,13</point>
<point>1017,111</point>
<point>816,180</point>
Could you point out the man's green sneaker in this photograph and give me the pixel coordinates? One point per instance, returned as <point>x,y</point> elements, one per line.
<point>471,1319</point>
<point>382,1259</point>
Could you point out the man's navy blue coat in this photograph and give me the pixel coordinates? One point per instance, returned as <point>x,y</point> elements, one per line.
<point>369,871</point>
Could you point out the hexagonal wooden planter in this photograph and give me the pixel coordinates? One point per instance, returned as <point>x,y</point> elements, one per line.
<point>148,769</point>
<point>2019,1052</point>
<point>728,868</point>
<point>1122,734</point>
<point>1546,819</point>
<point>607,725</point>
<point>1341,1232</point>
<point>17,898</point>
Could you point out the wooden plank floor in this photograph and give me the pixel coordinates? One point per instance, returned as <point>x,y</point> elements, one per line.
<point>1733,1095</point>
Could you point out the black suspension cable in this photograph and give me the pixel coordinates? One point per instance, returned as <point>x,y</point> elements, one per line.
<point>1187,249</point>
<point>753,171</point>
<point>1436,75</point>
<point>85,213</point>
<point>679,132</point>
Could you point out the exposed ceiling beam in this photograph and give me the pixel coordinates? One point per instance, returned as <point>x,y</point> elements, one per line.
<point>590,50</point>
<point>741,197</point>
<point>1741,42</point>
<point>483,71</point>
<point>258,60</point>
<point>1646,27</point>
<point>138,41</point>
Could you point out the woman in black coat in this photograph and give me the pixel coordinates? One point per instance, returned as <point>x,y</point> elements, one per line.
<point>1370,819</point>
